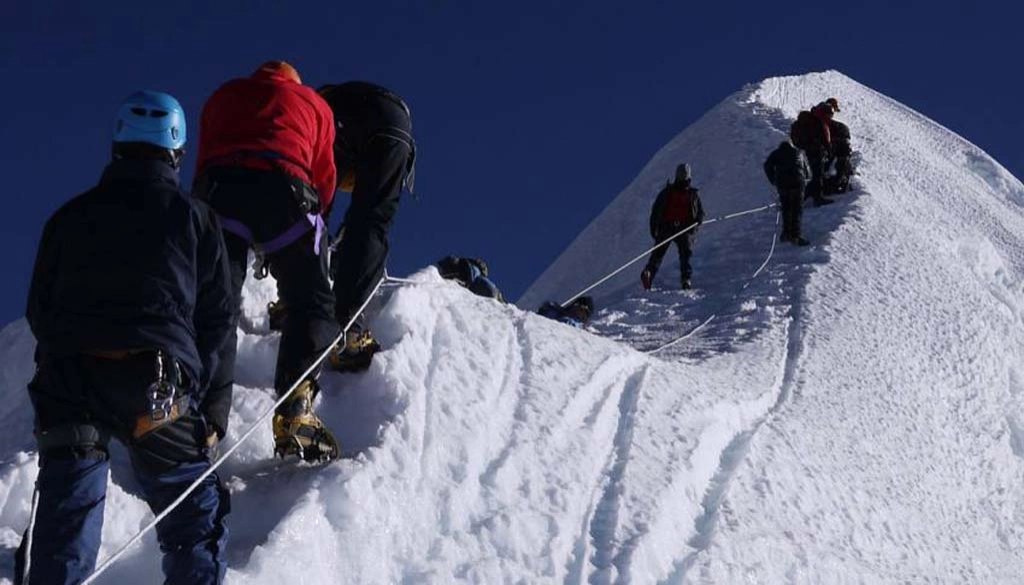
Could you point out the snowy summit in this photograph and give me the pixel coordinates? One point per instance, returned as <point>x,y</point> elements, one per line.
<point>853,414</point>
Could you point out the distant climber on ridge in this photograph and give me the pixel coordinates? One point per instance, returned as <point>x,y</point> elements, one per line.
<point>266,167</point>
<point>788,171</point>
<point>842,153</point>
<point>676,207</point>
<point>375,154</point>
<point>131,305</point>
<point>471,273</point>
<point>576,314</point>
<point>810,133</point>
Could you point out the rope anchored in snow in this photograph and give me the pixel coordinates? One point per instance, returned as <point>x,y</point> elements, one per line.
<point>664,243</point>
<point>188,491</point>
<point>691,332</point>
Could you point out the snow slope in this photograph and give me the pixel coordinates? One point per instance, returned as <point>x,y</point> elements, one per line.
<point>853,415</point>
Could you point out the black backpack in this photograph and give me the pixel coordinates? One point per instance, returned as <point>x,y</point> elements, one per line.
<point>787,167</point>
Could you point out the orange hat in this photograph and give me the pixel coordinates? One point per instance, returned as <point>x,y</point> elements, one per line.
<point>282,68</point>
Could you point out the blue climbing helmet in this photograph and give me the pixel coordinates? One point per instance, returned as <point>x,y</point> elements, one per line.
<point>151,117</point>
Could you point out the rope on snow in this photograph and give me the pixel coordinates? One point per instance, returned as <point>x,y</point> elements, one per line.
<point>693,331</point>
<point>188,491</point>
<point>664,243</point>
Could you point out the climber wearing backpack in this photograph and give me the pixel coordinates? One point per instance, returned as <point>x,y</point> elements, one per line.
<point>810,133</point>
<point>266,167</point>
<point>677,206</point>
<point>788,171</point>
<point>842,153</point>
<point>131,305</point>
<point>375,154</point>
<point>471,273</point>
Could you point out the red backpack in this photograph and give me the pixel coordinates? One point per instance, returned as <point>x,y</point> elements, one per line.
<point>806,131</point>
<point>679,206</point>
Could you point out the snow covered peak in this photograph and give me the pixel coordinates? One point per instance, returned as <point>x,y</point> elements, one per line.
<point>855,414</point>
<point>726,147</point>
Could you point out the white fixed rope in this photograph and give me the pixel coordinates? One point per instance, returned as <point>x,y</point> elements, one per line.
<point>690,333</point>
<point>663,243</point>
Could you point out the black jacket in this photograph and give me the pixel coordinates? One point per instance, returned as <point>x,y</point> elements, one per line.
<point>840,139</point>
<point>787,167</point>
<point>661,201</point>
<point>135,263</point>
<point>362,112</point>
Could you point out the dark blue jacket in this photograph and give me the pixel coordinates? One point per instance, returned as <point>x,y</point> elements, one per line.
<point>135,263</point>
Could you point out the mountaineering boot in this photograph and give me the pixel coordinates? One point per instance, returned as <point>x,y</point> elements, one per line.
<point>357,353</point>
<point>647,278</point>
<point>299,431</point>
<point>799,241</point>
<point>686,284</point>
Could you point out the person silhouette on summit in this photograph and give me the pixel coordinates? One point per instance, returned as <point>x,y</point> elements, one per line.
<point>266,166</point>
<point>676,207</point>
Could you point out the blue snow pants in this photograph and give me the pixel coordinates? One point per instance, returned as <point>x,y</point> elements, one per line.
<point>98,399</point>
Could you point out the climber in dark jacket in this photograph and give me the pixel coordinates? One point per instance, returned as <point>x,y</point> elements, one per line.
<point>842,158</point>
<point>788,171</point>
<point>375,152</point>
<point>677,207</point>
<point>131,304</point>
<point>810,133</point>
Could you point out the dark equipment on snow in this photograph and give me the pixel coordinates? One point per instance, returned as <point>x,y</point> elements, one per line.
<point>576,314</point>
<point>470,273</point>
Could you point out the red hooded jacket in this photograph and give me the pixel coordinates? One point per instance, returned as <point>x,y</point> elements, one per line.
<point>269,121</point>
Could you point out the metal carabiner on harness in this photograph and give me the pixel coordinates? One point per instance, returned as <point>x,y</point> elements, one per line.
<point>162,392</point>
<point>260,265</point>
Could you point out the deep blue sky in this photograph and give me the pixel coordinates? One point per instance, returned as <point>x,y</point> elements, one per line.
<point>530,116</point>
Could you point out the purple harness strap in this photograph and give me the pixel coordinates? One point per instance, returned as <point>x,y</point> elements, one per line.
<point>289,236</point>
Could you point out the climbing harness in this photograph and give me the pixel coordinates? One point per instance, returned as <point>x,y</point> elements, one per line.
<point>213,467</point>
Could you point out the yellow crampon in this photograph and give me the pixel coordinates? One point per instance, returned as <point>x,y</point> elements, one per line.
<point>299,431</point>
<point>357,353</point>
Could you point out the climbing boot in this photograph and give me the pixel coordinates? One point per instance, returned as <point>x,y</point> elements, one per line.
<point>647,278</point>
<point>800,241</point>
<point>299,431</point>
<point>686,284</point>
<point>356,354</point>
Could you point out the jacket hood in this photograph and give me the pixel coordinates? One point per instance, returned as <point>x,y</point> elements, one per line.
<point>277,71</point>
